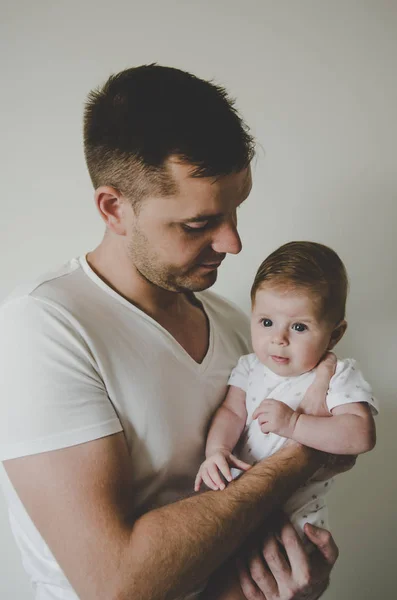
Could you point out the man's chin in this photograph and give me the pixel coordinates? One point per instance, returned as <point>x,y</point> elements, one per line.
<point>199,283</point>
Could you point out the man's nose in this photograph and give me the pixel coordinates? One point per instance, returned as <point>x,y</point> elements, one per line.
<point>227,239</point>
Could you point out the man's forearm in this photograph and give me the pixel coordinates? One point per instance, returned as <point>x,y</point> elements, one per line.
<point>174,548</point>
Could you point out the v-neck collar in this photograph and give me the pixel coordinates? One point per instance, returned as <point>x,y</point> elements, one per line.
<point>177,347</point>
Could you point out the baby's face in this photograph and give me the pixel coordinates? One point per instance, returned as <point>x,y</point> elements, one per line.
<point>288,336</point>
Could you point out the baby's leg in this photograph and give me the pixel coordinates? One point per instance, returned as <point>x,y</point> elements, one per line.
<point>224,585</point>
<point>308,505</point>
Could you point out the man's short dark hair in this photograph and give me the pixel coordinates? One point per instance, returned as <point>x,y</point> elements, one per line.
<point>144,115</point>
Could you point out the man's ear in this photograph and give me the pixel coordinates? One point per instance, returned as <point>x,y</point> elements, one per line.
<point>111,205</point>
<point>337,334</point>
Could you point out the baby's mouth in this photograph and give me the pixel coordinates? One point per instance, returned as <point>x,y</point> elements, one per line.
<point>280,359</point>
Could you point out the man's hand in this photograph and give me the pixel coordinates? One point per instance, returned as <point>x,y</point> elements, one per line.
<point>284,571</point>
<point>336,464</point>
<point>219,462</point>
<point>315,400</point>
<point>275,416</point>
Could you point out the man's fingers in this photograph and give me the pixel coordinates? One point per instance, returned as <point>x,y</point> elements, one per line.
<point>324,541</point>
<point>248,587</point>
<point>336,464</point>
<point>297,557</point>
<point>329,362</point>
<point>262,575</point>
<point>275,559</point>
<point>344,463</point>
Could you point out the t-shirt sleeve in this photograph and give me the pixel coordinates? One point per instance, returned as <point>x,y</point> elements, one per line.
<point>51,393</point>
<point>240,374</point>
<point>348,385</point>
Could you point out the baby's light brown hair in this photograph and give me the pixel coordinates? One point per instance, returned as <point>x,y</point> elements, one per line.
<point>311,267</point>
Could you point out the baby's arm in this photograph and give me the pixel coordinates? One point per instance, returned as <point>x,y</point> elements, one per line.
<point>349,430</point>
<point>225,431</point>
<point>349,427</point>
<point>228,423</point>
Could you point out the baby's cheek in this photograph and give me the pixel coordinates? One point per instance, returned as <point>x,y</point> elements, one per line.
<point>310,357</point>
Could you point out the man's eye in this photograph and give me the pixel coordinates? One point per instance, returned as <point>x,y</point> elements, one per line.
<point>267,322</point>
<point>299,327</point>
<point>195,227</point>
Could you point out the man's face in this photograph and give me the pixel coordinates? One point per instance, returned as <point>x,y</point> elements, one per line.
<point>178,242</point>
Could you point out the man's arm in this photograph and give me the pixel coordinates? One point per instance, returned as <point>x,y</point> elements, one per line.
<point>80,500</point>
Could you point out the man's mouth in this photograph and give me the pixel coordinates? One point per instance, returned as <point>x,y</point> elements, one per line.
<point>212,265</point>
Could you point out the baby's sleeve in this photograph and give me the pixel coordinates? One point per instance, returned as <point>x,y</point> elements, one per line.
<point>241,372</point>
<point>348,385</point>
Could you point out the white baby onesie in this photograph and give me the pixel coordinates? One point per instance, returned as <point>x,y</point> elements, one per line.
<point>348,385</point>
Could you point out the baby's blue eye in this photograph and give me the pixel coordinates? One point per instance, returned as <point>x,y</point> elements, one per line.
<point>267,322</point>
<point>299,327</point>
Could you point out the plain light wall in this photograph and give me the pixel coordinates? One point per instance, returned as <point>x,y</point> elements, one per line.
<point>316,81</point>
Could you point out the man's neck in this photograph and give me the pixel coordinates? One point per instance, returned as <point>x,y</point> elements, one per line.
<point>110,262</point>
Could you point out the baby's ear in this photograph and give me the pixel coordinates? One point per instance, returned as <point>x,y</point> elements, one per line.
<point>337,334</point>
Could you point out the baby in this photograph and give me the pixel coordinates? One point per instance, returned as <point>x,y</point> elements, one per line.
<point>298,315</point>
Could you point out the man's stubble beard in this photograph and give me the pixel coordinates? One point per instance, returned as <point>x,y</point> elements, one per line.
<point>165,276</point>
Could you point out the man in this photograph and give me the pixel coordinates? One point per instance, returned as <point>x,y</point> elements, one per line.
<point>112,367</point>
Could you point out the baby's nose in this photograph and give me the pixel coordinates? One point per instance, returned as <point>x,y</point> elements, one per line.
<point>280,338</point>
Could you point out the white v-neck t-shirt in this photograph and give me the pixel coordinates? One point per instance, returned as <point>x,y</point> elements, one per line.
<point>79,362</point>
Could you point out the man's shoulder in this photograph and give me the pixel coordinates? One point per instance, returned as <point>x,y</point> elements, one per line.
<point>38,287</point>
<point>44,302</point>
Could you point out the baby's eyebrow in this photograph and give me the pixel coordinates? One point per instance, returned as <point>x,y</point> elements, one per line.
<point>303,320</point>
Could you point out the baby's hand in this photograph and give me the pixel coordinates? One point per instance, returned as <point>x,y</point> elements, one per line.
<point>276,417</point>
<point>218,461</point>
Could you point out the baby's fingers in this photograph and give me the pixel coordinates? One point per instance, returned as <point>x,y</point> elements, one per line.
<point>266,406</point>
<point>215,477</point>
<point>198,481</point>
<point>209,482</point>
<point>224,468</point>
<point>258,411</point>
<point>240,464</point>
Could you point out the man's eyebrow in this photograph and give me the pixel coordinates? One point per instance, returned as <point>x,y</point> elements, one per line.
<point>211,216</point>
<point>204,217</point>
